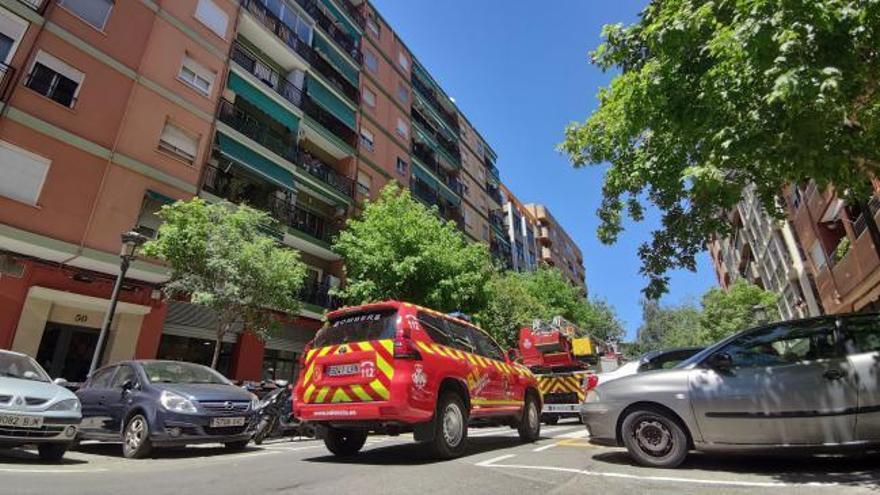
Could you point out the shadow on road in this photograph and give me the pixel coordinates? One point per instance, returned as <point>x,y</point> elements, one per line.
<point>853,470</point>
<point>30,456</point>
<point>115,450</point>
<point>410,454</point>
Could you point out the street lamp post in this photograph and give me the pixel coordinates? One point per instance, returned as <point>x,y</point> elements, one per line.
<point>131,241</point>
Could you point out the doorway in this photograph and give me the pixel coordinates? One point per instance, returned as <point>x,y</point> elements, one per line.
<point>66,351</point>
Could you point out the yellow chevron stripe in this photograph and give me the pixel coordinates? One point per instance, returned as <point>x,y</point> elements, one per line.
<point>361,393</point>
<point>340,396</point>
<point>308,393</point>
<point>388,344</point>
<point>440,350</point>
<point>321,394</point>
<point>425,347</point>
<point>384,367</point>
<point>472,359</point>
<point>380,389</point>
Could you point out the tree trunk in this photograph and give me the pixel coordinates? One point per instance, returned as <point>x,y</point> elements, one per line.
<point>221,331</point>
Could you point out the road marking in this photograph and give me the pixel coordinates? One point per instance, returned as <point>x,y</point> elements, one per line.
<point>51,471</point>
<point>545,447</point>
<point>491,463</point>
<point>575,434</point>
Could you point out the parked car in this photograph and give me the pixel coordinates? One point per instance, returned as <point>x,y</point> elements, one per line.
<point>33,409</point>
<point>393,367</point>
<point>811,385</point>
<point>146,404</point>
<point>649,361</point>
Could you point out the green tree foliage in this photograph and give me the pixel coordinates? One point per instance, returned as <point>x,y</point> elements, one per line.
<point>221,257</point>
<point>517,299</point>
<point>721,314</point>
<point>742,306</point>
<point>400,249</point>
<point>713,95</point>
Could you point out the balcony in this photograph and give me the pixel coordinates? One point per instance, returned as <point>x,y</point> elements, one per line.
<point>431,96</point>
<point>428,159</point>
<point>7,74</point>
<point>448,146</point>
<point>293,94</point>
<point>237,186</point>
<point>318,293</point>
<point>494,193</point>
<point>424,192</point>
<point>496,219</point>
<point>328,25</point>
<point>259,128</point>
<point>300,47</point>
<point>354,13</point>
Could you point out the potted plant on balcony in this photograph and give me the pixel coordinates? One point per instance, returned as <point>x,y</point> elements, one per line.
<point>842,248</point>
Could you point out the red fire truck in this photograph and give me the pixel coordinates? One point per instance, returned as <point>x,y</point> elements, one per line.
<point>562,362</point>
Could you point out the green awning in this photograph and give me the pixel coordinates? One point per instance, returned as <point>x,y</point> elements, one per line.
<point>343,21</point>
<point>157,196</point>
<point>450,196</point>
<point>342,65</point>
<point>322,96</point>
<point>259,99</point>
<point>425,176</point>
<point>255,162</point>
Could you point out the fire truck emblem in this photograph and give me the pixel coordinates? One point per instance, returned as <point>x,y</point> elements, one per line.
<point>368,369</point>
<point>419,378</point>
<point>527,344</point>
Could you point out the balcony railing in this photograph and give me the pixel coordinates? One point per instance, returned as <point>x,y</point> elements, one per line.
<point>256,128</point>
<point>422,191</point>
<point>313,57</point>
<point>292,94</point>
<point>318,293</point>
<point>38,6</point>
<point>354,13</point>
<point>239,188</point>
<point>447,145</point>
<point>496,220</point>
<point>429,94</point>
<point>495,194</point>
<point>325,173</point>
<point>428,159</point>
<point>7,74</point>
<point>328,25</point>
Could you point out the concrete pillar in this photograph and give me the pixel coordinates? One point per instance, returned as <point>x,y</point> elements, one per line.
<point>151,332</point>
<point>247,358</point>
<point>31,324</point>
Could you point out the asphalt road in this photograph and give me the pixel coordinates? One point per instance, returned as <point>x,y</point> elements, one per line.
<point>561,462</point>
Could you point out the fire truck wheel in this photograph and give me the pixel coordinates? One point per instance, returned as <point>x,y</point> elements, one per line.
<point>450,427</point>
<point>345,443</point>
<point>530,424</point>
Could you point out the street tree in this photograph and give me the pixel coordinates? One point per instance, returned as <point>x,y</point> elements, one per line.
<point>223,257</point>
<point>400,249</point>
<point>666,326</point>
<point>741,306</point>
<point>710,96</point>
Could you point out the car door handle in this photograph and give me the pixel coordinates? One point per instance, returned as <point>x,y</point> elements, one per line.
<point>833,374</point>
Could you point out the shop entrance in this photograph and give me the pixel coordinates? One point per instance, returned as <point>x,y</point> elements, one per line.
<point>66,351</point>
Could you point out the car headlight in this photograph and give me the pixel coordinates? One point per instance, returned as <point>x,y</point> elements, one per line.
<point>176,403</point>
<point>256,404</point>
<point>66,405</point>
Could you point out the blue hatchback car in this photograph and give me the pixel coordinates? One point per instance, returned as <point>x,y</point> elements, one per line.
<point>146,404</point>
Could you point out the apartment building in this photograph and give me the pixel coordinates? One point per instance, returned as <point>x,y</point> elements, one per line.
<point>840,248</point>
<point>557,248</point>
<point>522,229</point>
<point>765,251</point>
<point>303,108</point>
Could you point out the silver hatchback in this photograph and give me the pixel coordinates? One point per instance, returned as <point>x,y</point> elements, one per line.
<point>809,385</point>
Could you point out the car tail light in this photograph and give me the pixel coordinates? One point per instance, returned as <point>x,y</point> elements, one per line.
<point>403,344</point>
<point>592,381</point>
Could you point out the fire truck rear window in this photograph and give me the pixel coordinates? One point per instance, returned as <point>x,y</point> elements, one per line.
<point>358,328</point>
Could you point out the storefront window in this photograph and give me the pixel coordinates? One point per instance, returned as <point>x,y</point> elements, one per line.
<point>200,351</point>
<point>280,365</point>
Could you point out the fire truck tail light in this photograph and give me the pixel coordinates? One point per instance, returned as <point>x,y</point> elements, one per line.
<point>592,381</point>
<point>404,348</point>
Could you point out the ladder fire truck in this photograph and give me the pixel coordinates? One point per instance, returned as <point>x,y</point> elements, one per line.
<point>563,363</point>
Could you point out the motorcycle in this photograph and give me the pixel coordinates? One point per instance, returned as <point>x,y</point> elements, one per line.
<point>276,418</point>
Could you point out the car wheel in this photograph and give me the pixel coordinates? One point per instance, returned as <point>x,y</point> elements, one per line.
<point>236,446</point>
<point>654,438</point>
<point>345,443</point>
<point>450,427</point>
<point>136,438</point>
<point>530,424</point>
<point>263,430</point>
<point>52,452</point>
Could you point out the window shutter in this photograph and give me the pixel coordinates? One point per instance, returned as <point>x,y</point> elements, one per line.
<point>180,139</point>
<point>23,173</point>
<point>213,17</point>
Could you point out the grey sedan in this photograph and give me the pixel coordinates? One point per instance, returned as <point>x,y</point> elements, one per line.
<point>801,385</point>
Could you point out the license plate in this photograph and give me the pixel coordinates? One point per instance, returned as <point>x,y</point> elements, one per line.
<point>343,370</point>
<point>560,408</point>
<point>21,421</point>
<point>223,422</point>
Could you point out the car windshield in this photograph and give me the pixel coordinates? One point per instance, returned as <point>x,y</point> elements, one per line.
<point>360,327</point>
<point>176,372</point>
<point>22,367</point>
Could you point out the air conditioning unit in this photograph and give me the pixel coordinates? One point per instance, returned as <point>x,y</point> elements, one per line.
<point>333,281</point>
<point>11,267</point>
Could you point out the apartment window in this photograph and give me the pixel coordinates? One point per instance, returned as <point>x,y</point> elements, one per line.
<point>94,12</point>
<point>196,75</point>
<point>54,79</point>
<point>212,16</point>
<point>148,222</point>
<point>480,150</point>
<point>364,183</point>
<point>403,61</point>
<point>371,61</point>
<point>402,93</point>
<point>402,128</point>
<point>179,142</point>
<point>373,26</point>
<point>817,253</point>
<point>369,97</point>
<point>464,188</point>
<point>23,173</point>
<point>402,166</point>
<point>12,29</point>
<point>292,18</point>
<point>485,232</point>
<point>367,139</point>
<point>6,44</point>
<point>466,215</point>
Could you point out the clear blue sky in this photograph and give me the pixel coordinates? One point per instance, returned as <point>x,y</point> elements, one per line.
<point>519,70</point>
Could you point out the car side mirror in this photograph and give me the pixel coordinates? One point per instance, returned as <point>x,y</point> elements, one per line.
<point>128,385</point>
<point>513,355</point>
<point>721,361</point>
<point>61,382</point>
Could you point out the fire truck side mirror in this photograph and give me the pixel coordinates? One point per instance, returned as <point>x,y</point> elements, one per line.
<point>513,355</point>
